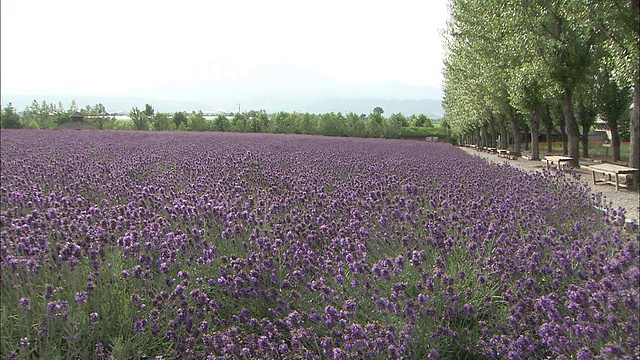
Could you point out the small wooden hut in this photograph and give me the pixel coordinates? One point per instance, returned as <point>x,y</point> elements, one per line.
<point>76,123</point>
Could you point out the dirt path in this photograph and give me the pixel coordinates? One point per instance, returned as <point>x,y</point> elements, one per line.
<point>627,199</point>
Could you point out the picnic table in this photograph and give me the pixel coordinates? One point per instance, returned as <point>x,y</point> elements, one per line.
<point>558,160</point>
<point>614,171</point>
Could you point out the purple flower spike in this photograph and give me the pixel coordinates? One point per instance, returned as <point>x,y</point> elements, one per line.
<point>81,297</point>
<point>25,304</point>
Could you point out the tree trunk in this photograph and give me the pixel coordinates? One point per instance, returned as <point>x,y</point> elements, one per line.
<point>615,141</point>
<point>563,135</point>
<point>572,128</point>
<point>634,131</point>
<point>492,131</point>
<point>485,135</point>
<point>547,121</point>
<point>503,132</point>
<point>585,140</point>
<point>515,132</point>
<point>534,123</point>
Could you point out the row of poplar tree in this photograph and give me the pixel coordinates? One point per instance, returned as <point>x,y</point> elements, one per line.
<point>543,64</point>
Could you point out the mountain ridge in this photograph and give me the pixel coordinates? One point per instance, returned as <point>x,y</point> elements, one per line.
<point>408,107</point>
<point>270,87</point>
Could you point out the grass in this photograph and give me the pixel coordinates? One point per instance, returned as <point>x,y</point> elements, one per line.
<point>57,327</point>
<point>597,150</point>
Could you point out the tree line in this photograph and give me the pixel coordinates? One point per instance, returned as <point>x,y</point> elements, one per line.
<point>519,66</point>
<point>48,116</point>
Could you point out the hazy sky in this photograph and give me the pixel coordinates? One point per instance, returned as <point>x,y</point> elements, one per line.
<point>129,46</point>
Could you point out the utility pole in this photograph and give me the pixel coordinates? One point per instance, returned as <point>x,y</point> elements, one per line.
<point>239,107</point>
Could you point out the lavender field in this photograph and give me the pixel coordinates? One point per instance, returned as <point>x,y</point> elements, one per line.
<point>243,246</point>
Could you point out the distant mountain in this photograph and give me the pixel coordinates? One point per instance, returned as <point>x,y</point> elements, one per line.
<point>429,107</point>
<point>113,104</point>
<point>274,87</point>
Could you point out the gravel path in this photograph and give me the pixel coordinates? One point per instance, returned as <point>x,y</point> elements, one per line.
<point>624,198</point>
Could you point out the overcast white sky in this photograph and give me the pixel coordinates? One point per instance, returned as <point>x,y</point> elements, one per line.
<point>127,46</point>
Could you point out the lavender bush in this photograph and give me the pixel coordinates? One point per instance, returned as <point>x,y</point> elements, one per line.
<point>224,246</point>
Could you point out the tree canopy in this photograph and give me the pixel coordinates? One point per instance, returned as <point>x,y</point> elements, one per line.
<point>516,60</point>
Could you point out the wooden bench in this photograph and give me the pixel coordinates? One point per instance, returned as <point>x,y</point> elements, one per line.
<point>556,160</point>
<point>508,154</point>
<point>612,173</point>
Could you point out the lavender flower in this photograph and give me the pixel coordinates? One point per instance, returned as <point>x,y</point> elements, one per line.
<point>81,297</point>
<point>229,239</point>
<point>25,304</point>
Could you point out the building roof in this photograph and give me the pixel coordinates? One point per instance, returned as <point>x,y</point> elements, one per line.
<point>77,115</point>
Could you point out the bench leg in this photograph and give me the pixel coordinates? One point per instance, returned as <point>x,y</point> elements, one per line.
<point>593,173</point>
<point>617,184</point>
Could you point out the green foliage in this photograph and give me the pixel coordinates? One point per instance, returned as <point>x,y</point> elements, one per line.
<point>399,119</point>
<point>62,118</point>
<point>392,129</point>
<point>374,125</point>
<point>308,123</point>
<point>510,58</point>
<point>620,22</point>
<point>162,122</point>
<point>613,101</point>
<point>624,126</point>
<point>221,123</point>
<point>197,122</point>
<point>332,124</point>
<point>41,115</point>
<point>102,122</point>
<point>356,125</point>
<point>257,121</point>
<point>284,123</point>
<point>240,123</point>
<point>179,118</point>
<point>148,110</point>
<point>74,329</point>
<point>46,116</point>
<point>421,120</point>
<point>123,125</point>
<point>99,117</point>
<point>378,110</point>
<point>261,122</point>
<point>414,132</point>
<point>139,118</point>
<point>9,119</point>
